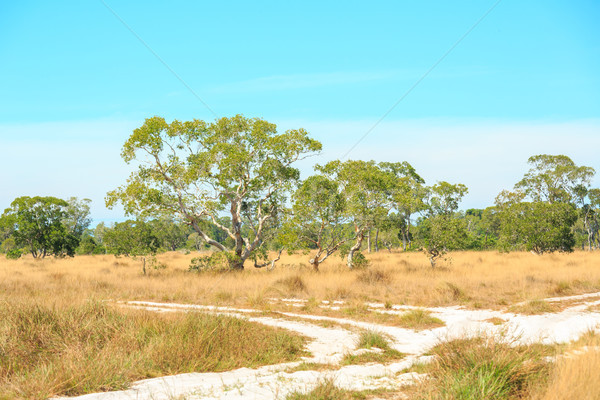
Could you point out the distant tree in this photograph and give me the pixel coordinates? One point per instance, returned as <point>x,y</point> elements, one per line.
<point>538,226</point>
<point>589,202</point>
<point>171,235</point>
<point>407,194</point>
<point>440,230</point>
<point>37,224</point>
<point>132,238</point>
<point>198,171</point>
<point>318,219</point>
<point>77,216</point>
<point>366,187</point>
<point>554,179</point>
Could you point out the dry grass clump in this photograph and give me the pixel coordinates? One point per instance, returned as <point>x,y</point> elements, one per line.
<point>535,307</point>
<point>483,368</point>
<point>419,319</point>
<point>374,276</point>
<point>294,284</point>
<point>327,390</point>
<point>574,375</point>
<point>48,350</point>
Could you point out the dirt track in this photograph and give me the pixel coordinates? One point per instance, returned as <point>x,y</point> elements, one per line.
<point>330,344</point>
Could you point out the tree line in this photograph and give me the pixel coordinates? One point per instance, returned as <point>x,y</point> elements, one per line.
<point>231,185</point>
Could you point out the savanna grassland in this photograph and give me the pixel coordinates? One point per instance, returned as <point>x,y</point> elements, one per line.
<point>62,331</point>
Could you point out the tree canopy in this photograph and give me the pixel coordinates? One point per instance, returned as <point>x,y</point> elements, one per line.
<point>199,170</point>
<point>46,225</point>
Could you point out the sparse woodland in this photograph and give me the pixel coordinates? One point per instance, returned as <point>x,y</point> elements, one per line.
<point>220,216</point>
<point>231,187</point>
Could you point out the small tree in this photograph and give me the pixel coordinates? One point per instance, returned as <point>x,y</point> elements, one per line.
<point>366,187</point>
<point>318,219</point>
<point>440,229</point>
<point>407,193</point>
<point>131,238</point>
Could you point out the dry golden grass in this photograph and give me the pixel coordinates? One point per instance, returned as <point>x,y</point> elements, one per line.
<point>473,279</point>
<point>574,375</point>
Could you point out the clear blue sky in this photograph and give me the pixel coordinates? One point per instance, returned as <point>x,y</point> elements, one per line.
<point>74,82</point>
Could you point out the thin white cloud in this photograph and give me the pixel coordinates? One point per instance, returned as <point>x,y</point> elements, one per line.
<point>486,155</point>
<point>303,81</point>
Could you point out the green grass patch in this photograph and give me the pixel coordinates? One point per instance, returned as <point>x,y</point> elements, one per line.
<point>419,319</point>
<point>384,357</point>
<point>535,307</point>
<point>483,368</point>
<point>327,390</point>
<point>312,366</point>
<point>47,350</point>
<point>368,340</point>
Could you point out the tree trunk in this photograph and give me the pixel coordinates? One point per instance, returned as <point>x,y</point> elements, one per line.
<point>353,249</point>
<point>377,240</point>
<point>315,264</point>
<point>369,241</point>
<point>144,265</point>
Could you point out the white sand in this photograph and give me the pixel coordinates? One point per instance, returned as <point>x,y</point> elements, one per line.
<point>329,345</point>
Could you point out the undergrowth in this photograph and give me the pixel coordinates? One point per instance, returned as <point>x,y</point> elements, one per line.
<point>48,350</point>
<point>484,368</point>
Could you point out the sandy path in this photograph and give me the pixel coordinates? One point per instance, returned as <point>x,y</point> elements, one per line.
<point>329,345</point>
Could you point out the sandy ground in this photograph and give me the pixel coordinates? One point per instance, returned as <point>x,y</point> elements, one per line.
<point>330,344</point>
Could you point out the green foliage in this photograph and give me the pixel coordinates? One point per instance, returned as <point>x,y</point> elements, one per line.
<point>554,179</point>
<point>199,170</point>
<point>319,219</point>
<point>440,230</point>
<point>14,254</point>
<point>171,235</point>
<point>216,262</point>
<point>131,238</point>
<point>483,368</point>
<point>366,187</point>
<point>538,226</point>
<point>370,338</point>
<point>42,225</point>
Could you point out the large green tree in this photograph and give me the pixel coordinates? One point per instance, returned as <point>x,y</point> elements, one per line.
<point>199,171</point>
<point>41,225</point>
<point>537,226</point>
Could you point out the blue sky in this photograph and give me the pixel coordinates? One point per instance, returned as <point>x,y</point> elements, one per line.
<point>75,82</point>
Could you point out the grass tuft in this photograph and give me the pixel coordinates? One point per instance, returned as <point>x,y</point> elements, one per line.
<point>535,307</point>
<point>483,368</point>
<point>374,276</point>
<point>419,319</point>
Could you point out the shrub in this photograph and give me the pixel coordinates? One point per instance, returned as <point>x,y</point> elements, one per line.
<point>14,254</point>
<point>216,262</point>
<point>483,368</point>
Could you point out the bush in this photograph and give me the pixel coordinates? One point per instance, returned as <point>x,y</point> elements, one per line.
<point>14,254</point>
<point>483,368</point>
<point>216,262</point>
